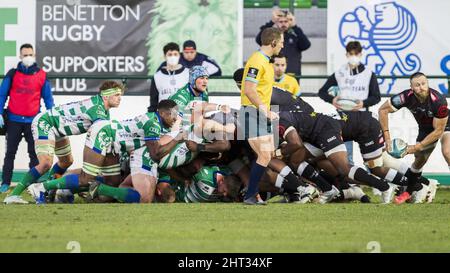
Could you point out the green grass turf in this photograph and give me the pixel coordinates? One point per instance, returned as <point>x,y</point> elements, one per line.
<point>227,227</point>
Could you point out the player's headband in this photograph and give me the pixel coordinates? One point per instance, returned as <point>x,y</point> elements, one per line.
<point>111,91</point>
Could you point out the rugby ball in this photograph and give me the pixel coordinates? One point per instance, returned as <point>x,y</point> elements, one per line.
<point>334,91</point>
<point>398,148</point>
<point>347,104</point>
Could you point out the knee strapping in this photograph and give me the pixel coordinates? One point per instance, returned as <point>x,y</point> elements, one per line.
<point>111,170</point>
<point>91,169</point>
<point>63,150</point>
<point>45,149</point>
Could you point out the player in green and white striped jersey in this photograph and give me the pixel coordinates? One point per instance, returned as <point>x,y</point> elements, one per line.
<point>137,134</point>
<point>106,138</point>
<point>209,184</point>
<point>51,128</point>
<point>193,101</point>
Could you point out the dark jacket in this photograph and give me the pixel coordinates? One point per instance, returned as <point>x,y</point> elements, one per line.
<point>46,91</point>
<point>295,41</point>
<point>200,59</point>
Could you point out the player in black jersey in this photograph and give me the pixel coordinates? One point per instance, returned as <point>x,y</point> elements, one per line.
<point>325,133</point>
<point>429,108</point>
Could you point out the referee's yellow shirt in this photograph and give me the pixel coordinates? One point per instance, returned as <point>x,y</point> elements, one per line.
<point>288,83</point>
<point>260,71</point>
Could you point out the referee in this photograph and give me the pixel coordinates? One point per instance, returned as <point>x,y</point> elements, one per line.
<point>255,114</point>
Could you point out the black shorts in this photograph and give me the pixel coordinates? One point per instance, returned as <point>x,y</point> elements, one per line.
<point>328,138</point>
<point>252,123</point>
<point>371,140</point>
<point>424,132</point>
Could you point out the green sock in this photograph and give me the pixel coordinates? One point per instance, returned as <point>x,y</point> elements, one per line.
<point>30,177</point>
<point>55,184</point>
<point>69,181</point>
<point>50,174</point>
<point>126,195</point>
<point>116,193</point>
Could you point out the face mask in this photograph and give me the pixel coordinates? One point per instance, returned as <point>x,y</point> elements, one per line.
<point>354,60</point>
<point>173,60</point>
<point>28,61</point>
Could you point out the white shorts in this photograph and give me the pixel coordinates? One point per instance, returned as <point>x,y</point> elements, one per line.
<point>142,163</point>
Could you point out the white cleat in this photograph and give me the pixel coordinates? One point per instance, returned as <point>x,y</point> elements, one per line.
<point>388,195</point>
<point>14,199</point>
<point>303,195</point>
<point>419,197</point>
<point>329,196</point>
<point>35,190</point>
<point>353,193</point>
<point>432,188</point>
<point>376,192</point>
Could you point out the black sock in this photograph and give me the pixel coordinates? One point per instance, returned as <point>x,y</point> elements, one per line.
<point>291,183</point>
<point>362,176</point>
<point>343,182</point>
<point>310,173</point>
<point>413,181</point>
<point>424,180</point>
<point>328,177</point>
<point>400,180</point>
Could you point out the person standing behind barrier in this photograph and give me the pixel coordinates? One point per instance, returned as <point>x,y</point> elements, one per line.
<point>255,114</point>
<point>191,58</point>
<point>25,86</point>
<point>283,80</point>
<point>355,82</point>
<point>295,41</point>
<point>170,77</point>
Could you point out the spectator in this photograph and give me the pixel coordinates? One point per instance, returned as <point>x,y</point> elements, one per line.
<point>169,78</point>
<point>283,80</point>
<point>192,58</point>
<point>295,41</point>
<point>25,86</point>
<point>355,82</point>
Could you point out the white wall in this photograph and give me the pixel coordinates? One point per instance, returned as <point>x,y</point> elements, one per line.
<point>402,125</point>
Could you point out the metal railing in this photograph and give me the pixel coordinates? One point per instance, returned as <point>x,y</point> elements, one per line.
<point>225,86</point>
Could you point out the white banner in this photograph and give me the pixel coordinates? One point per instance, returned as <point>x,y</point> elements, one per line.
<point>398,38</point>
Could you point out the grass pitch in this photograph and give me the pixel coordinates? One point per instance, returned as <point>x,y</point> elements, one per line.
<point>227,227</point>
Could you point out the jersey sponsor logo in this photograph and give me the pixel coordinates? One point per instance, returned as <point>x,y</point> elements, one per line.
<point>442,111</point>
<point>178,101</point>
<point>146,155</point>
<point>69,119</point>
<point>44,126</point>
<point>100,112</point>
<point>104,140</point>
<point>252,72</point>
<point>331,139</point>
<point>205,188</point>
<point>155,130</point>
<point>126,135</point>
<point>369,143</point>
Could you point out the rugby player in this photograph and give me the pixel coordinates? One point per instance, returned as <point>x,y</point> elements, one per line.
<point>52,128</point>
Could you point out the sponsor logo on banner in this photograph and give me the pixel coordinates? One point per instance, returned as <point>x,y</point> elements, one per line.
<point>17,27</point>
<point>387,30</point>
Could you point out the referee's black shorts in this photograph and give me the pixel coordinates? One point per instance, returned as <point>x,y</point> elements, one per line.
<point>253,123</point>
